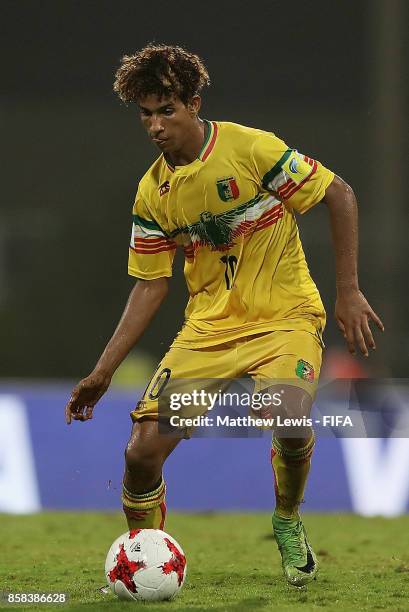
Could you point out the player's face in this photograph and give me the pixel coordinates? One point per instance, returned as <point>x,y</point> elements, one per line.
<point>168,121</point>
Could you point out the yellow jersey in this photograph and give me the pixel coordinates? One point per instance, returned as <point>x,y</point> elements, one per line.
<point>231,210</point>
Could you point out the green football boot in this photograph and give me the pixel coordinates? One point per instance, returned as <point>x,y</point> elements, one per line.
<point>300,564</point>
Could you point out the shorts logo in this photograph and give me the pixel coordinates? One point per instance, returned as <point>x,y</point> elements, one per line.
<point>227,189</point>
<point>305,370</point>
<point>164,188</point>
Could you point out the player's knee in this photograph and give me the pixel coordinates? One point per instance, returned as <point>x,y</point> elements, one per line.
<point>296,403</point>
<point>140,459</point>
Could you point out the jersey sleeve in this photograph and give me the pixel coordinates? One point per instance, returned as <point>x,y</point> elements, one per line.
<point>295,178</point>
<point>151,251</point>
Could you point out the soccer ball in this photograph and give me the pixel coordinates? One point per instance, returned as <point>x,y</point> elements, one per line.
<point>145,564</point>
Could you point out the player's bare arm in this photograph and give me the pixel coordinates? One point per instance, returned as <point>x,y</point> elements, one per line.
<point>352,311</point>
<point>143,302</point>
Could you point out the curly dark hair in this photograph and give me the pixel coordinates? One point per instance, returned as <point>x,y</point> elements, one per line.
<point>162,70</point>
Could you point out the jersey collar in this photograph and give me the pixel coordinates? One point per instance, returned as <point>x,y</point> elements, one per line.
<point>211,131</point>
<point>209,141</point>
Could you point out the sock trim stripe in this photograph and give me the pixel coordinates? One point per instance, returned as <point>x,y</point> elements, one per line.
<point>297,454</point>
<point>144,496</point>
<point>146,500</point>
<point>143,504</point>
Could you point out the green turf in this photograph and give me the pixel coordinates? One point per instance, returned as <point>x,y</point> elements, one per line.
<point>233,563</point>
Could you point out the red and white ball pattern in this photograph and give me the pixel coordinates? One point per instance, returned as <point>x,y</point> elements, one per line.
<point>145,564</point>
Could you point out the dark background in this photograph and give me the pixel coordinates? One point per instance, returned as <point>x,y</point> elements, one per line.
<point>327,76</point>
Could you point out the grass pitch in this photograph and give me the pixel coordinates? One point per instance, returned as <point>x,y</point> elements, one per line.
<point>233,563</point>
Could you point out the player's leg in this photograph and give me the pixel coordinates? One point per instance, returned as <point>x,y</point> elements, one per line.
<point>292,448</point>
<point>181,371</point>
<point>291,461</point>
<point>295,363</point>
<point>143,494</point>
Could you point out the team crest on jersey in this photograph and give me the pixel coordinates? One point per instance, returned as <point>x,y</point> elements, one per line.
<point>305,370</point>
<point>227,189</point>
<point>164,188</point>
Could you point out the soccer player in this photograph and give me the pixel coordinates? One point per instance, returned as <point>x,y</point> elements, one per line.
<point>226,194</point>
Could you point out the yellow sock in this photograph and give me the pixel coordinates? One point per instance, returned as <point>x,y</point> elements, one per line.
<point>290,467</point>
<point>146,511</point>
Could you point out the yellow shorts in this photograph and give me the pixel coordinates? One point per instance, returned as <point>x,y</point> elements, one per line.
<point>277,357</point>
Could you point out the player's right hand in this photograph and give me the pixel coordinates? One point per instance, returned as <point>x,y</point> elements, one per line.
<point>84,397</point>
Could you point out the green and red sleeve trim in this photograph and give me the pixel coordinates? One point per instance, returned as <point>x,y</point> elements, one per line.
<point>152,246</point>
<point>148,237</point>
<point>289,188</point>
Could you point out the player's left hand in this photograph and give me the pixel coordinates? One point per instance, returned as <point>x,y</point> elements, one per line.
<point>352,314</point>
